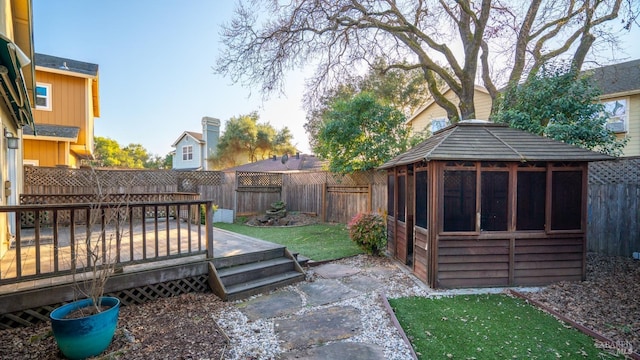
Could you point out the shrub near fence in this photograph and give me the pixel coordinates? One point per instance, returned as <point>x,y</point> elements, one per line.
<point>614,200</point>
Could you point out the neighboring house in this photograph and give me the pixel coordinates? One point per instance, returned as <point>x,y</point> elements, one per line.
<point>193,149</point>
<point>620,88</point>
<point>433,118</point>
<point>66,105</point>
<point>16,88</point>
<point>285,163</point>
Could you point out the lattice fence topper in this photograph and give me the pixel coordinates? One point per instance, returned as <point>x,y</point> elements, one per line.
<point>620,171</point>
<point>112,178</point>
<point>355,179</point>
<point>86,177</point>
<point>258,179</point>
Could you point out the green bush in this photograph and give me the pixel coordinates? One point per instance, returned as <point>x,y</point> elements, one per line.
<point>203,212</point>
<point>369,232</point>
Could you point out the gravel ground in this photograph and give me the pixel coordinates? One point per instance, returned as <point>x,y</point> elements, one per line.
<point>200,326</point>
<point>257,340</point>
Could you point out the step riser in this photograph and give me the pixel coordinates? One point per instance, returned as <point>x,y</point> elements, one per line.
<point>263,289</point>
<point>257,273</point>
<point>230,261</point>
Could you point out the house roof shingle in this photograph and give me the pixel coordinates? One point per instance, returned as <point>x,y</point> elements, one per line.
<point>68,132</point>
<point>294,163</point>
<point>617,78</point>
<point>58,63</point>
<point>483,141</point>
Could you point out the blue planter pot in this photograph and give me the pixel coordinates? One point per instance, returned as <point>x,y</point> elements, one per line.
<point>87,336</point>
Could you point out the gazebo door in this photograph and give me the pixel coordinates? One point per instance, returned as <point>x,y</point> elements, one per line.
<point>404,224</point>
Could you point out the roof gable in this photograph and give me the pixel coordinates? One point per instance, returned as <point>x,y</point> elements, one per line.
<point>194,135</point>
<point>484,141</point>
<point>431,102</point>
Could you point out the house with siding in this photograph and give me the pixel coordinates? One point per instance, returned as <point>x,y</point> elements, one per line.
<point>16,90</point>
<point>620,88</point>
<point>66,105</point>
<point>432,117</point>
<point>193,149</point>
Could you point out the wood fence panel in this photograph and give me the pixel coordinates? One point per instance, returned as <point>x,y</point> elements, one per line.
<point>304,198</point>
<point>613,219</point>
<point>344,202</point>
<point>253,202</point>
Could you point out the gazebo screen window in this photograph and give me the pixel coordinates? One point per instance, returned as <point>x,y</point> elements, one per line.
<point>459,200</point>
<point>402,197</point>
<point>531,200</point>
<point>494,194</point>
<point>566,200</point>
<point>421,199</point>
<point>390,195</point>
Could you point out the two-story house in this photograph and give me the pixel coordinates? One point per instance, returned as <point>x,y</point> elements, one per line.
<point>16,90</point>
<point>432,117</point>
<point>619,85</point>
<point>66,104</point>
<point>620,94</point>
<point>193,149</point>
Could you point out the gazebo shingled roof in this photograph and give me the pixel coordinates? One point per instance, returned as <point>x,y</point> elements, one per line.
<point>476,140</point>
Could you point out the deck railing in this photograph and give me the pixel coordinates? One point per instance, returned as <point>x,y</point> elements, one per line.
<point>65,238</point>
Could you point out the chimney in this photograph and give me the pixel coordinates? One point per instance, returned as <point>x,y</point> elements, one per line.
<point>210,135</point>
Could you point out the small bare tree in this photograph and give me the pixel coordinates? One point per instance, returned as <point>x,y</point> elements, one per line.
<point>93,259</point>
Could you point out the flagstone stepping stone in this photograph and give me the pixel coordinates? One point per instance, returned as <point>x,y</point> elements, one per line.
<point>279,303</point>
<point>339,350</point>
<point>322,326</point>
<point>362,283</point>
<point>325,291</point>
<point>335,271</point>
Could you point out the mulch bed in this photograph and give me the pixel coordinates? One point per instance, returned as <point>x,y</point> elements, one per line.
<point>181,327</point>
<point>607,302</point>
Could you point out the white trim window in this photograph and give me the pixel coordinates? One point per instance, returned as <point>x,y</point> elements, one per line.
<point>43,96</point>
<point>617,111</point>
<point>439,124</point>
<point>187,153</point>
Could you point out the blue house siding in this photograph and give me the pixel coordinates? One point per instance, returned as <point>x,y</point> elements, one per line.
<point>195,162</point>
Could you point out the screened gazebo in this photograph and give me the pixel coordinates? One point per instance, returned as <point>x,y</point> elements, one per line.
<point>482,204</point>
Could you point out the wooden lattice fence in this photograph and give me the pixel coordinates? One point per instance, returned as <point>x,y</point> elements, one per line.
<point>614,207</point>
<point>336,198</point>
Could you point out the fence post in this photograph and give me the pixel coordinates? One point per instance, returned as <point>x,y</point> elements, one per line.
<point>324,202</point>
<point>209,228</point>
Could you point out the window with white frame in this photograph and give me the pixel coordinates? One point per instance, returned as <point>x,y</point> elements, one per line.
<point>187,152</point>
<point>438,124</point>
<point>617,111</point>
<point>43,96</point>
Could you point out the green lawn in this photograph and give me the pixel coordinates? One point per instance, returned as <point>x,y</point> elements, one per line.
<point>488,327</point>
<point>317,242</point>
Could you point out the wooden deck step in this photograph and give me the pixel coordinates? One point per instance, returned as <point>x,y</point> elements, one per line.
<point>247,272</point>
<point>240,277</point>
<point>265,284</point>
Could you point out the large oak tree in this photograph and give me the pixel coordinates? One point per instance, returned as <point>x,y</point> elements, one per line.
<point>453,41</point>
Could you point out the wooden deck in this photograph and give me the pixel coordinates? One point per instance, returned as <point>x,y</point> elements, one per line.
<point>144,252</point>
